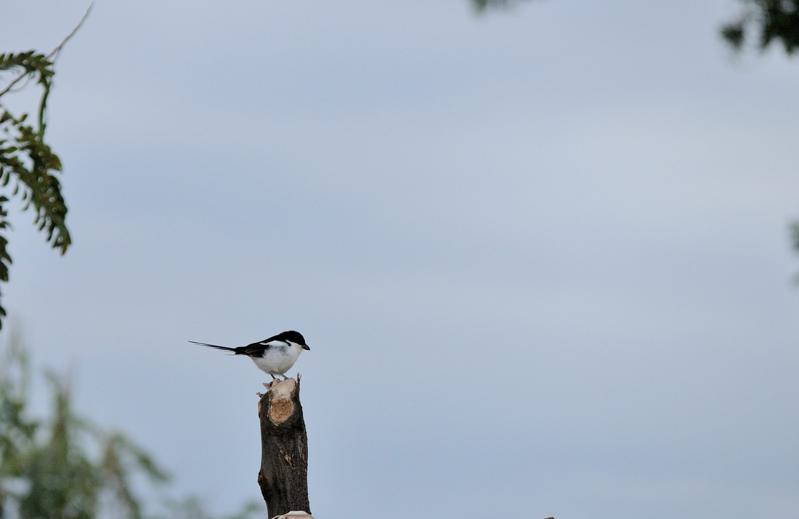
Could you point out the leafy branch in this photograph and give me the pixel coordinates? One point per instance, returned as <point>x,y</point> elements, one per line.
<point>28,166</point>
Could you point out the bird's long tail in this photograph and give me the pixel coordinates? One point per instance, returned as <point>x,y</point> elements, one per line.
<point>215,346</point>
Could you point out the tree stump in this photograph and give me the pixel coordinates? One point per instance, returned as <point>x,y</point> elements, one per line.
<point>283,477</point>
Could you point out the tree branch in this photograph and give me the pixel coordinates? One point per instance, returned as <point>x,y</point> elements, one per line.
<point>283,477</point>
<point>53,53</point>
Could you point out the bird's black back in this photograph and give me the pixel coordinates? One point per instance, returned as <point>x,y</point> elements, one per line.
<point>289,335</point>
<point>257,349</point>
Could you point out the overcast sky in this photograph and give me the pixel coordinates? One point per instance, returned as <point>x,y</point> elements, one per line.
<point>541,256</point>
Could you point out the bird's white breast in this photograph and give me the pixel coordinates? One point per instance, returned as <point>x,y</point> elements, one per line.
<point>278,357</point>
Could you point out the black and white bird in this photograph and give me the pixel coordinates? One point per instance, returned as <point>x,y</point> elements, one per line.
<point>275,355</point>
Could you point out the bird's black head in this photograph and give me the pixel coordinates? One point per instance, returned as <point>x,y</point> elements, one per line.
<point>295,337</point>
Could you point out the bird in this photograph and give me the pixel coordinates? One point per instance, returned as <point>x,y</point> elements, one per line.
<point>274,355</point>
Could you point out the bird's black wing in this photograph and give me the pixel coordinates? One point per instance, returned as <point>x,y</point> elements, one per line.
<point>282,337</point>
<point>257,349</point>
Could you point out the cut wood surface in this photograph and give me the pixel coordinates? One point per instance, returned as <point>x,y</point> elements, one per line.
<point>283,477</point>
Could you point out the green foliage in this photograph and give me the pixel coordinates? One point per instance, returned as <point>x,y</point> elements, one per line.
<point>772,21</point>
<point>28,166</point>
<point>52,456</point>
<point>16,428</point>
<point>64,466</point>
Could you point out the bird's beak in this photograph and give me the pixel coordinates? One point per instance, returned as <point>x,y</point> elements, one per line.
<point>306,347</point>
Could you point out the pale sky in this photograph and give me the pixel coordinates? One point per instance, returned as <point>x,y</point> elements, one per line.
<point>541,256</point>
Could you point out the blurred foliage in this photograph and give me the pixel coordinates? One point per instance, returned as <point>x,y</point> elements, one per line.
<point>482,5</point>
<point>64,466</point>
<point>766,21</point>
<point>771,21</point>
<point>795,235</point>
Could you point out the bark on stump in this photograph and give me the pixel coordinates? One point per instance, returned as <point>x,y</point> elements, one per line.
<point>283,477</point>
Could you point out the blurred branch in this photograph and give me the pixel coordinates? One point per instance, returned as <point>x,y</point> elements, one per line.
<point>283,477</point>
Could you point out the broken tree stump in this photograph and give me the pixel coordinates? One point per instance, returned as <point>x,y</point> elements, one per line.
<point>283,477</point>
